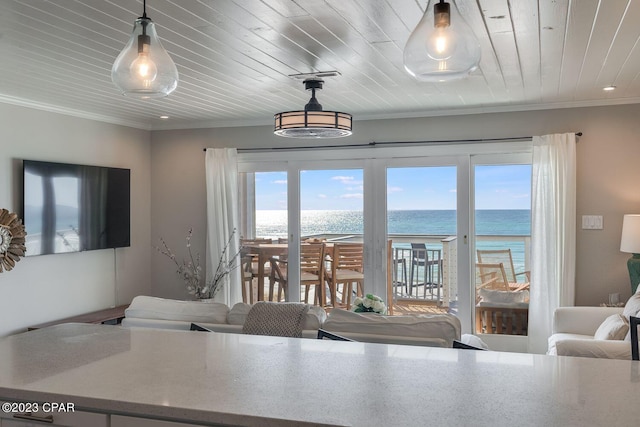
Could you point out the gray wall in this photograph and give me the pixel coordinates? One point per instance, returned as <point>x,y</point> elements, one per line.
<point>49,287</point>
<point>607,177</point>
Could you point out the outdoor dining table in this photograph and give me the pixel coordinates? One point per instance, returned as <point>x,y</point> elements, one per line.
<point>264,252</point>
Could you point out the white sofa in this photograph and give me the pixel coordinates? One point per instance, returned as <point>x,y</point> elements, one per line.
<point>574,329</point>
<point>153,312</point>
<point>427,330</point>
<point>431,330</point>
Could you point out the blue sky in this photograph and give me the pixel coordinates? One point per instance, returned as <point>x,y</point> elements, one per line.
<point>421,188</point>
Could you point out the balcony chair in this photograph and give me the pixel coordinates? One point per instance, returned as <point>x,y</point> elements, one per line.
<point>500,308</point>
<point>311,273</point>
<point>427,258</point>
<point>503,256</point>
<point>346,269</point>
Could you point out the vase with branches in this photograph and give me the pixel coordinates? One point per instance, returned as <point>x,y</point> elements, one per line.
<point>191,271</point>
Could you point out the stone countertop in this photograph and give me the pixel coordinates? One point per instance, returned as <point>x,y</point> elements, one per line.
<point>250,380</point>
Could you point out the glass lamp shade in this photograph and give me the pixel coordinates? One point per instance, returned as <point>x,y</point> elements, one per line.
<point>312,124</point>
<point>144,69</point>
<point>441,48</point>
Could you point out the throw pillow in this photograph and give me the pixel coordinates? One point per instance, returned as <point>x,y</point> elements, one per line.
<point>282,319</point>
<point>614,327</point>
<point>633,305</point>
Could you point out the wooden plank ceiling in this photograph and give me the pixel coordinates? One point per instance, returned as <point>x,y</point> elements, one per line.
<point>235,57</point>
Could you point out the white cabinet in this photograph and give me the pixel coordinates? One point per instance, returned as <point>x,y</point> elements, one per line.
<point>58,419</point>
<point>122,421</point>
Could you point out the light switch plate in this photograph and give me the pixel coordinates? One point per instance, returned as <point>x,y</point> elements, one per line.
<point>592,222</point>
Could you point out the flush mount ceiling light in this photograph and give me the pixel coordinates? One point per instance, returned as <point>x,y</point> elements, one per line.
<point>442,47</point>
<point>313,122</point>
<point>144,69</point>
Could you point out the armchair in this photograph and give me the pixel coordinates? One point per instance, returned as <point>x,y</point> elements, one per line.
<point>574,329</point>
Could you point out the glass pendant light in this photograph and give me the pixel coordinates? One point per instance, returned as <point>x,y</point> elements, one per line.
<point>442,47</point>
<point>144,69</point>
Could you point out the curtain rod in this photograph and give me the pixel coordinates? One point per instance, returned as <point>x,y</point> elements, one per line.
<point>374,144</point>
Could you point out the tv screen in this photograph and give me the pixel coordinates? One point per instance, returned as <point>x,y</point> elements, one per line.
<point>72,208</point>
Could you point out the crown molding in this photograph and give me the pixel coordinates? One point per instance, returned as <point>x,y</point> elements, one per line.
<point>5,99</point>
<point>203,124</point>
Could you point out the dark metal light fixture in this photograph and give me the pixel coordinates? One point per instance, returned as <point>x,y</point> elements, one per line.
<point>313,121</point>
<point>442,47</point>
<point>144,69</point>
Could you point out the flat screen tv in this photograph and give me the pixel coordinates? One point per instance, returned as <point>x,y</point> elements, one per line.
<point>73,208</point>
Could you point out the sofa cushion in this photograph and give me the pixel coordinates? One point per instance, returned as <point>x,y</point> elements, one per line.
<point>443,326</point>
<point>147,307</point>
<point>313,319</point>
<point>238,313</point>
<point>494,296</point>
<point>614,327</point>
<point>557,337</point>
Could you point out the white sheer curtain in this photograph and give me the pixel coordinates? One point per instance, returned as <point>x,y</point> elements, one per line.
<point>553,233</point>
<point>221,168</point>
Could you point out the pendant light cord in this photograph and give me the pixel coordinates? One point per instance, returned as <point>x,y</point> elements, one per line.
<point>144,9</point>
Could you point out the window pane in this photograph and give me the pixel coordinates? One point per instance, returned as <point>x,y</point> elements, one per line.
<point>421,222</point>
<point>331,211</point>
<point>503,230</point>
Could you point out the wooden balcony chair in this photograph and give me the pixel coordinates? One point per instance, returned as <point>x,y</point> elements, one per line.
<point>254,257</point>
<point>496,256</point>
<point>247,278</point>
<point>346,268</point>
<point>508,312</point>
<point>311,273</point>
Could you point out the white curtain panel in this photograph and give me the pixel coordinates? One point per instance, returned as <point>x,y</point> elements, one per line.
<point>221,168</point>
<point>553,233</point>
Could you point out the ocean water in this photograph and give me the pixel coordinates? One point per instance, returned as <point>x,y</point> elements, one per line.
<point>273,223</point>
<point>517,222</point>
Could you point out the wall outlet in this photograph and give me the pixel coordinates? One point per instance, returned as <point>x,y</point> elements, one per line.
<point>592,222</point>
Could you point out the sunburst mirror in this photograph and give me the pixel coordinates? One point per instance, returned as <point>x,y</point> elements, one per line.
<point>12,234</point>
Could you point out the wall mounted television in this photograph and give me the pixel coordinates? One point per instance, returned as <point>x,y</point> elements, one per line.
<point>72,208</point>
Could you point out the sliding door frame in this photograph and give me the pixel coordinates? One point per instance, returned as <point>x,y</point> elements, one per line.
<point>374,162</point>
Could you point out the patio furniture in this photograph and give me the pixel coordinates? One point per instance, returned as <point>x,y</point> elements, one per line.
<point>262,252</point>
<point>429,259</point>
<point>346,269</point>
<point>256,268</point>
<point>311,273</point>
<point>503,256</point>
<point>500,308</point>
<point>247,278</point>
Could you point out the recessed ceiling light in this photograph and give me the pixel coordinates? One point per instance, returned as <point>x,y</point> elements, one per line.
<point>164,117</point>
<point>609,88</point>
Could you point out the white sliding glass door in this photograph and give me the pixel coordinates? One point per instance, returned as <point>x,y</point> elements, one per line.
<point>422,225</point>
<point>435,197</point>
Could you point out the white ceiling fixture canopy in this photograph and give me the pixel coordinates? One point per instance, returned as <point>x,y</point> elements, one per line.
<point>313,121</point>
<point>442,47</point>
<point>144,69</point>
